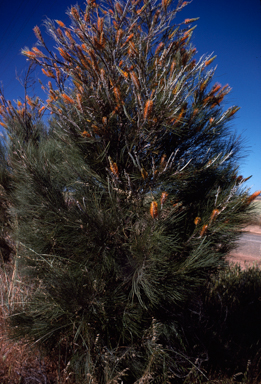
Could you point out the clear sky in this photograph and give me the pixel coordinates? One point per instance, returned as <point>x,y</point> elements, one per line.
<point>229,28</point>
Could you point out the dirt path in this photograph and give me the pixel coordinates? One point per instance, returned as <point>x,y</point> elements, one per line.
<point>249,252</point>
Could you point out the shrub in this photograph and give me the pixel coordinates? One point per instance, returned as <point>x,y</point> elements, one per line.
<point>130,200</point>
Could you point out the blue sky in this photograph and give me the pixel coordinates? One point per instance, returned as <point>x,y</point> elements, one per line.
<point>229,28</point>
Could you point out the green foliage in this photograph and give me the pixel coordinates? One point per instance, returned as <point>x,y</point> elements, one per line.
<point>224,324</point>
<point>130,200</point>
<point>234,307</point>
<point>6,242</point>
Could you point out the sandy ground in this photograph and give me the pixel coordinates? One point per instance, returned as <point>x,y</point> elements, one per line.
<point>246,261</point>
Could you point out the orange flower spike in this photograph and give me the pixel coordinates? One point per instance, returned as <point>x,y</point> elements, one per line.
<point>203,85</point>
<point>164,196</point>
<point>67,99</point>
<point>38,34</point>
<point>132,50</point>
<point>120,63</point>
<point>163,161</point>
<point>125,74</point>
<point>64,54</point>
<point>116,25</point>
<point>195,112</point>
<point>79,101</point>
<point>197,220</point>
<point>113,167</point>
<point>187,21</point>
<point>60,33</point>
<point>233,111</point>
<point>100,22</point>
<point>214,214</point>
<point>38,52</point>
<point>74,12</point>
<point>117,94</point>
<point>134,25</point>
<point>203,230</point>
<point>60,23</point>
<point>119,35</point>
<point>192,64</point>
<point>135,79</point>
<point>48,73</point>
<point>211,120</point>
<point>147,109</point>
<point>208,62</point>
<point>128,39</point>
<point>223,89</point>
<point>207,99</point>
<point>173,65</point>
<point>58,75</point>
<point>152,93</point>
<point>29,101</point>
<point>164,4</point>
<point>119,8</point>
<point>154,209</point>
<point>253,197</point>
<point>215,89</point>
<point>99,44</point>
<point>184,37</point>
<point>102,40</point>
<point>41,110</point>
<point>142,9</point>
<point>95,129</point>
<point>68,34</point>
<point>29,53</point>
<point>85,134</point>
<point>144,173</point>
<point>3,124</point>
<point>159,47</point>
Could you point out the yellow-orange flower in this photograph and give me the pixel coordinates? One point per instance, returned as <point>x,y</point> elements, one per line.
<point>253,196</point>
<point>38,52</point>
<point>135,79</point>
<point>67,99</point>
<point>85,134</point>
<point>210,61</point>
<point>203,230</point>
<point>164,196</point>
<point>197,220</point>
<point>144,173</point>
<point>48,73</point>
<point>154,209</point>
<point>113,167</point>
<point>148,108</point>
<point>118,8</point>
<point>214,214</point>
<point>60,23</point>
<point>159,47</point>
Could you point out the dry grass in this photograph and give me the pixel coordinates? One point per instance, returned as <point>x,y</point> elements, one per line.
<point>20,362</point>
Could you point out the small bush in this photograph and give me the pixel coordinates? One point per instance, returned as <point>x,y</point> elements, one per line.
<point>225,323</point>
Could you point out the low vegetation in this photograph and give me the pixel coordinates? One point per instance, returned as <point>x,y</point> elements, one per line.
<point>223,329</point>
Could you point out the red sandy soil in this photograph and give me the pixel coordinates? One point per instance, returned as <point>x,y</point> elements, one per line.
<point>246,261</point>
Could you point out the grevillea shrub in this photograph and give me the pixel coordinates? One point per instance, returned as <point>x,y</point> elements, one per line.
<point>130,199</point>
